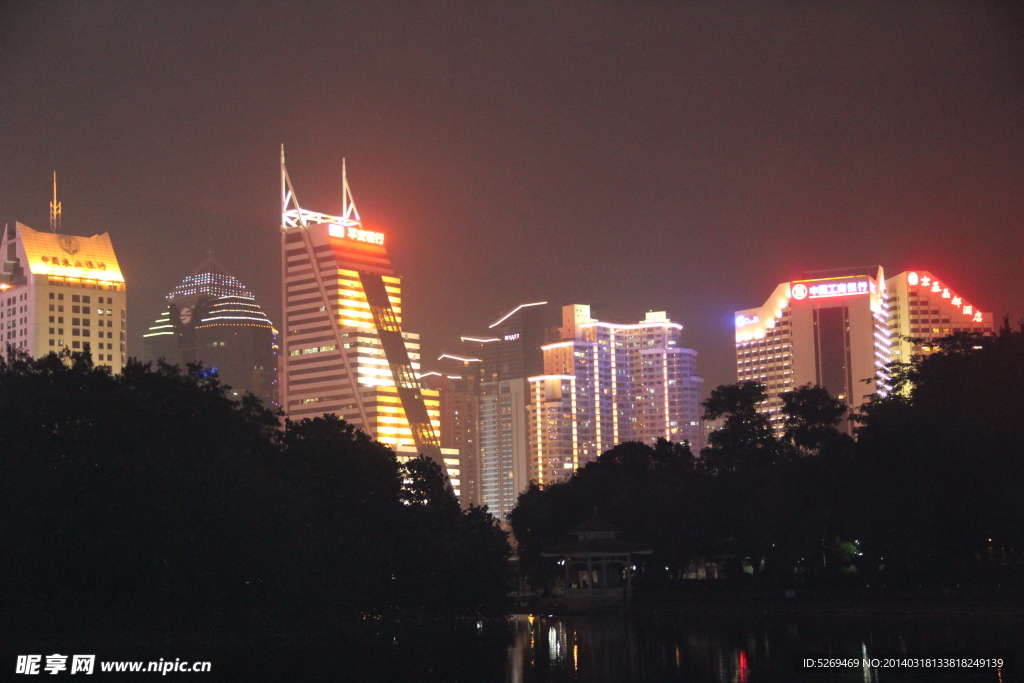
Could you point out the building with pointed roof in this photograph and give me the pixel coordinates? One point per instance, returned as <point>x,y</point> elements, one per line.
<point>213,319</point>
<point>344,349</point>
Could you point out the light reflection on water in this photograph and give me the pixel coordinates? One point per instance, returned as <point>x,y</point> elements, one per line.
<point>674,647</point>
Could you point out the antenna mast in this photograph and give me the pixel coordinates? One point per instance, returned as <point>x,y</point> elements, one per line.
<point>348,204</point>
<point>54,208</point>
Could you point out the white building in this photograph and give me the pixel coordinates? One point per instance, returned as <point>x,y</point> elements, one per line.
<point>606,383</point>
<point>831,330</point>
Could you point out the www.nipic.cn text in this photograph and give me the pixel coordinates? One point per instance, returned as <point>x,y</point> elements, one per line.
<point>86,664</point>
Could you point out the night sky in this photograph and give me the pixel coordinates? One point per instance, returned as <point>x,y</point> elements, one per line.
<point>634,156</point>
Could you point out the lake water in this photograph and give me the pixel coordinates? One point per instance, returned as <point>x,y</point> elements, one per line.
<point>663,646</point>
<point>676,647</point>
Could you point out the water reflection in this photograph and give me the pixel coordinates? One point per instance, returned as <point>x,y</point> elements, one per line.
<point>611,647</point>
<point>675,647</point>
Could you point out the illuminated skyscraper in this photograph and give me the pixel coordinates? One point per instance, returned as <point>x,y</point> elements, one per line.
<point>213,318</point>
<point>606,383</point>
<point>343,350</point>
<point>458,386</point>
<point>923,307</point>
<point>509,353</point>
<point>831,330</point>
<point>62,291</point>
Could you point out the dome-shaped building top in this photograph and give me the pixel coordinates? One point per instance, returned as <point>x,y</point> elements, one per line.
<point>212,318</point>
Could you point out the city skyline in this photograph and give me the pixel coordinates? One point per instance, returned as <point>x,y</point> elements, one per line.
<point>557,155</point>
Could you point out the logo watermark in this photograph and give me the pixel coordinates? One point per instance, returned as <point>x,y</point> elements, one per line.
<point>31,665</point>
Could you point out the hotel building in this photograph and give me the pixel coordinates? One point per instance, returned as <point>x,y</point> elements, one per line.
<point>62,291</point>
<point>923,307</point>
<point>606,383</point>
<point>343,347</point>
<point>830,330</point>
<point>212,318</point>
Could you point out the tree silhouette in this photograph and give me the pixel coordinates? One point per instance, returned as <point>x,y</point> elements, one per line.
<point>812,418</point>
<point>746,438</point>
<point>151,502</point>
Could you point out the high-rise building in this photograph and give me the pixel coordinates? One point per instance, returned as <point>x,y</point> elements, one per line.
<point>343,349</point>
<point>830,330</point>
<point>458,387</point>
<point>509,353</point>
<point>62,291</point>
<point>924,308</point>
<point>606,383</point>
<point>212,318</point>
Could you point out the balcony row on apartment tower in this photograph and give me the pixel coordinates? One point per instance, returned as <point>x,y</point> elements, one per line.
<point>554,392</point>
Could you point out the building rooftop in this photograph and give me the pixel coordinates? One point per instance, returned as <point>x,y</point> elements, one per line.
<point>50,253</point>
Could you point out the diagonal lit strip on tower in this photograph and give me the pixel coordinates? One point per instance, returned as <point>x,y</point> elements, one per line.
<point>291,211</point>
<point>390,334</point>
<point>388,329</point>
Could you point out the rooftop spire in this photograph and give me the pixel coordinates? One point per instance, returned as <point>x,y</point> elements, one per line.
<point>348,204</point>
<point>291,213</point>
<point>55,208</point>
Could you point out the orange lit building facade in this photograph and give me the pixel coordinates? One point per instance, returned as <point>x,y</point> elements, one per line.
<point>343,350</point>
<point>63,291</point>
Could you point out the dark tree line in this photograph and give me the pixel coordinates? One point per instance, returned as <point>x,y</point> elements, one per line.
<point>930,494</point>
<point>149,501</point>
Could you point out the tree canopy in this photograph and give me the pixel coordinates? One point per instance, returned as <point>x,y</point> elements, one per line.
<point>149,500</point>
<point>931,494</point>
<point>746,438</point>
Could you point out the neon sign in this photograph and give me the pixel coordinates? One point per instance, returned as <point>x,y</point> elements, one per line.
<point>824,290</point>
<point>356,234</point>
<point>511,337</point>
<point>933,285</point>
<point>743,321</point>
